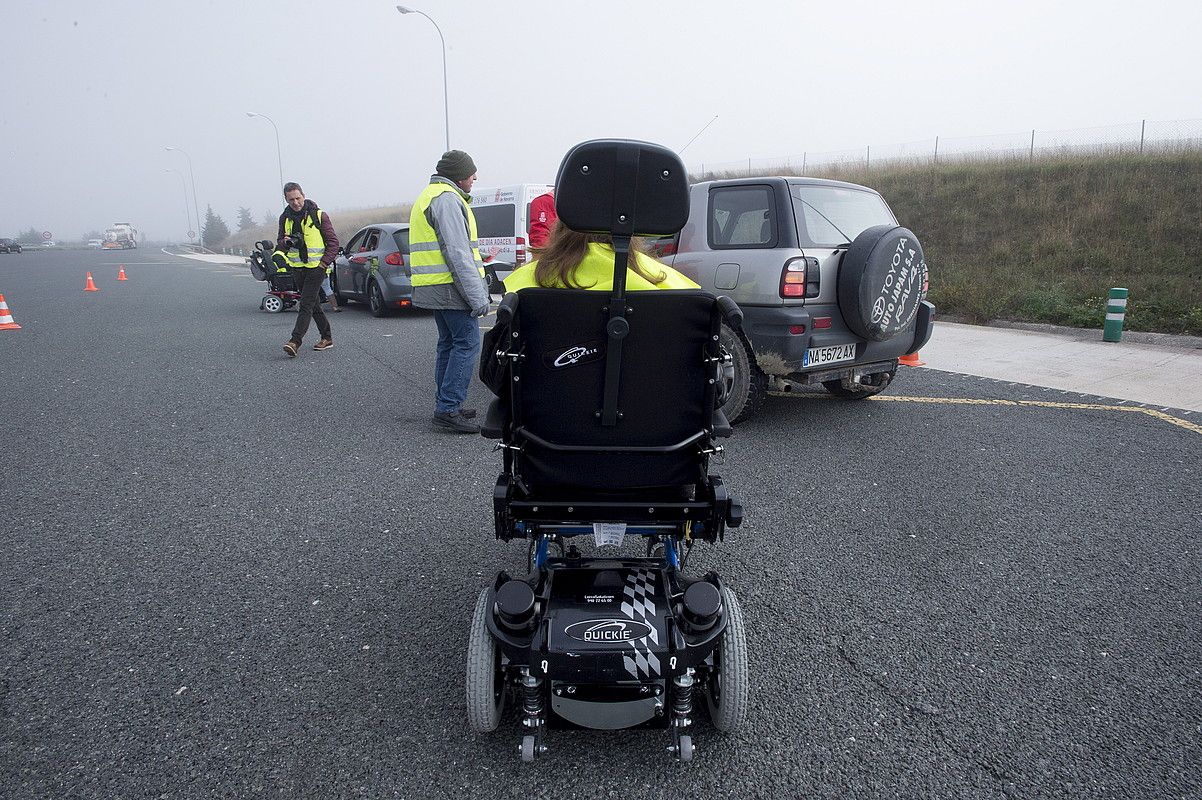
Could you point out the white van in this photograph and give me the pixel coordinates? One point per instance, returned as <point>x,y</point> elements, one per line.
<point>502,220</point>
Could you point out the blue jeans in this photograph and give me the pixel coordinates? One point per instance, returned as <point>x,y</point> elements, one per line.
<point>455,357</point>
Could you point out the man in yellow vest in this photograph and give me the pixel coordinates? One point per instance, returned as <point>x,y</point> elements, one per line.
<point>307,243</point>
<point>448,277</point>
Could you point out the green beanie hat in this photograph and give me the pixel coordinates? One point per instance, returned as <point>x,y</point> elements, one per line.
<point>456,165</point>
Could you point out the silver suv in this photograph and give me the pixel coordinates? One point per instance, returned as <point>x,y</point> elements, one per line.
<point>832,289</point>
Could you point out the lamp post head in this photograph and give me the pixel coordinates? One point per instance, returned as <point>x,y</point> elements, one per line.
<point>405,10</point>
<point>251,114</point>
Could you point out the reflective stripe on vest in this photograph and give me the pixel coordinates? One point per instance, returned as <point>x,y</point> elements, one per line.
<point>314,243</point>
<point>427,266</point>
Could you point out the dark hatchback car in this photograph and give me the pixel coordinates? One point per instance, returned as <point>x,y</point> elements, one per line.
<point>10,246</point>
<point>373,268</point>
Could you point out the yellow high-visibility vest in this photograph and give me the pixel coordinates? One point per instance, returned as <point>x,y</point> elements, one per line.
<point>314,242</point>
<point>426,263</point>
<point>596,272</point>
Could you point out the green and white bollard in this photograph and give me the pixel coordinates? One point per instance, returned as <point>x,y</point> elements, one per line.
<point>1116,310</point>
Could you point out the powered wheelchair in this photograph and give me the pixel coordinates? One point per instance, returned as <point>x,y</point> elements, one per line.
<point>606,416</point>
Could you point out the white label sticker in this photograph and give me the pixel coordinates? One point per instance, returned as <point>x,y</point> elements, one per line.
<point>609,533</point>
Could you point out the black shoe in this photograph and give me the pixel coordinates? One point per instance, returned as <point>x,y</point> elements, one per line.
<point>455,421</point>
<point>469,413</point>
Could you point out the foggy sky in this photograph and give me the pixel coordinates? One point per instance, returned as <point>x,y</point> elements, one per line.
<point>94,91</point>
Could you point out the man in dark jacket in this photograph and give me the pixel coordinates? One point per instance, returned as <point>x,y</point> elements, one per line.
<point>307,244</point>
<point>448,277</point>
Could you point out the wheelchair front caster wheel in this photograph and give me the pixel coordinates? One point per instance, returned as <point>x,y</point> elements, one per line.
<point>529,748</point>
<point>685,749</point>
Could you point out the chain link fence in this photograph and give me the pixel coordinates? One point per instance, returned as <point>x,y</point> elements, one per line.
<point>1135,138</point>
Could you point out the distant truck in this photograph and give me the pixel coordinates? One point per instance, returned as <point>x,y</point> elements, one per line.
<point>122,236</point>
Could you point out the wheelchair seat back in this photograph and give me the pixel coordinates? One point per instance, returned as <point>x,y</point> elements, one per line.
<point>612,391</point>
<point>665,398</point>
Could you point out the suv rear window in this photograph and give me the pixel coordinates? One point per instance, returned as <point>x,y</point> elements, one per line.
<point>495,222</point>
<point>742,217</point>
<point>828,216</point>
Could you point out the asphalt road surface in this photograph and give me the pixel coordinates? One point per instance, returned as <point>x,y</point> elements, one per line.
<point>226,573</point>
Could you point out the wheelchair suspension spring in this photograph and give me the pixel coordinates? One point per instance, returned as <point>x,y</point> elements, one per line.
<point>532,700</point>
<point>682,701</point>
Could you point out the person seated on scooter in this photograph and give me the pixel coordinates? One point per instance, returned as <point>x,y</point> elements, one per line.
<point>575,260</point>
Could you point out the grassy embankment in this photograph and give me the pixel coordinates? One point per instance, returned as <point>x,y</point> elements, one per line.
<point>1045,241</point>
<point>1028,242</point>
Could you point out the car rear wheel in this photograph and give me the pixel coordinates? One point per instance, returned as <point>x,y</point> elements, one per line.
<point>868,386</point>
<point>375,300</point>
<point>743,383</point>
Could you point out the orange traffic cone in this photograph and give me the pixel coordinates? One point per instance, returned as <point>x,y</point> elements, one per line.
<point>121,274</point>
<point>911,360</point>
<point>91,287</point>
<point>6,317</point>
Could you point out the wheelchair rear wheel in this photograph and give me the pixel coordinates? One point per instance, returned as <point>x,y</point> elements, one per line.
<point>485,686</point>
<point>727,686</point>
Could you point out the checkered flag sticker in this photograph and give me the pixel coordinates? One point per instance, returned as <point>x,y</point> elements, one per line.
<point>638,603</point>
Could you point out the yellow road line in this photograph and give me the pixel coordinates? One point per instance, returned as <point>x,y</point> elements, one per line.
<point>1160,415</point>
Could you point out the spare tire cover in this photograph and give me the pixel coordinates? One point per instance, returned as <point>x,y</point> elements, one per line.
<point>882,281</point>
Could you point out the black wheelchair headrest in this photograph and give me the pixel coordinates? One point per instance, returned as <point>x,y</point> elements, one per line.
<point>622,187</point>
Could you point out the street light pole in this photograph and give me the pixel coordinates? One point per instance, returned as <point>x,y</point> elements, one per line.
<point>183,184</point>
<point>278,157</point>
<point>446,111</point>
<point>195,205</point>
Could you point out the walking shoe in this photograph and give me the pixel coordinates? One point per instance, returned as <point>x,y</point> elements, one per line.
<point>454,421</point>
<point>470,413</point>
<point>324,344</point>
<point>334,303</point>
<point>291,349</point>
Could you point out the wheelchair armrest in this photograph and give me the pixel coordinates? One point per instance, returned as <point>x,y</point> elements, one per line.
<point>507,308</point>
<point>495,420</point>
<point>721,424</point>
<point>730,310</point>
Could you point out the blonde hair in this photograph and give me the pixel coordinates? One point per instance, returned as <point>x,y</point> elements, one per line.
<point>559,260</point>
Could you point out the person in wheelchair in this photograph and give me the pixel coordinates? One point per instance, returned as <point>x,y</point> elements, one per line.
<point>606,413</point>
<point>575,260</point>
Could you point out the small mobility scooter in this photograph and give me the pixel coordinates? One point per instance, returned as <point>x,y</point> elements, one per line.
<point>606,416</point>
<point>281,288</point>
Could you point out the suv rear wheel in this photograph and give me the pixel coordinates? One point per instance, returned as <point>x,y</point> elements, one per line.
<point>869,385</point>
<point>744,384</point>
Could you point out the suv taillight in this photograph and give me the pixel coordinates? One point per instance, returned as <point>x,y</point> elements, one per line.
<point>799,278</point>
<point>394,259</point>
